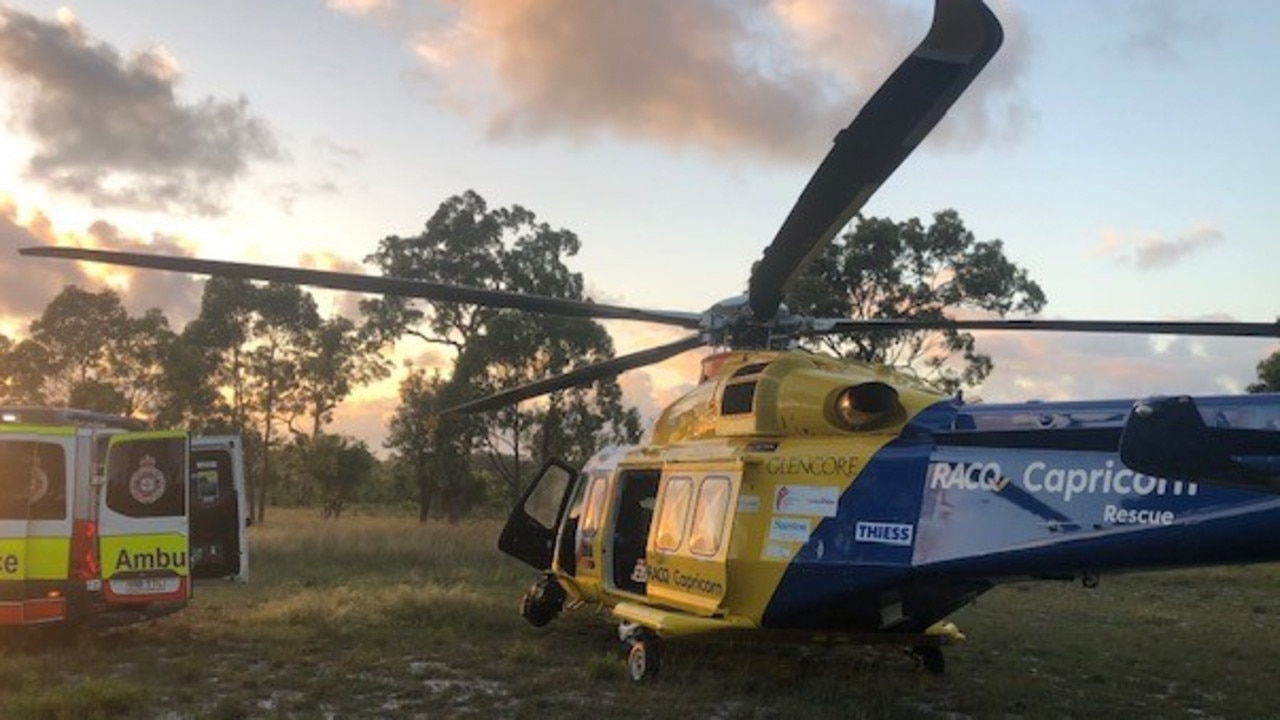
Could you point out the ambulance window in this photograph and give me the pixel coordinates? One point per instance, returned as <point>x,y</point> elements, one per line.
<point>672,514</point>
<point>594,506</point>
<point>709,515</point>
<point>33,481</point>
<point>147,478</point>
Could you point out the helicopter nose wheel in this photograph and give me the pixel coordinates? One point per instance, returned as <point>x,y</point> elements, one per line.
<point>643,652</point>
<point>930,658</point>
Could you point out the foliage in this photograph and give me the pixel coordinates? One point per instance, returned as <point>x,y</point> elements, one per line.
<point>905,270</point>
<point>86,351</point>
<point>467,243</point>
<point>1268,375</point>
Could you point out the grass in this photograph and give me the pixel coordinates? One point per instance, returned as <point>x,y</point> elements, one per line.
<point>379,617</point>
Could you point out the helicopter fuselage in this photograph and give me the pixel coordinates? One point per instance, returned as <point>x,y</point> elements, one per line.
<point>795,492</point>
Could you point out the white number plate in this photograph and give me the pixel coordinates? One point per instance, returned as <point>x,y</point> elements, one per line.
<point>146,586</point>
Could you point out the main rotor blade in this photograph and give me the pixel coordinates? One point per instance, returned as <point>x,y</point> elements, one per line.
<point>581,376</point>
<point>963,37</point>
<point>375,284</point>
<point>1145,327</point>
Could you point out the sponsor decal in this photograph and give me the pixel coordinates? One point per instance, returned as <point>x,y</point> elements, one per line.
<point>146,484</point>
<point>640,572</point>
<point>842,465</point>
<point>899,534</point>
<point>1065,483</point>
<point>1145,516</point>
<point>776,551</point>
<point>789,529</point>
<point>749,504</point>
<point>688,582</point>
<point>819,500</point>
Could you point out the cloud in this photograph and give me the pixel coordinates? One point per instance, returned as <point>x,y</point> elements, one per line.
<point>360,7</point>
<point>113,131</point>
<point>177,294</point>
<point>1063,366</point>
<point>29,284</point>
<point>774,79</point>
<point>1155,252</point>
<point>1161,28</point>
<point>346,304</point>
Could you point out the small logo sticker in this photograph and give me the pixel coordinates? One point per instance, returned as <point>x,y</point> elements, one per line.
<point>885,533</point>
<point>146,485</point>
<point>788,529</point>
<point>819,500</point>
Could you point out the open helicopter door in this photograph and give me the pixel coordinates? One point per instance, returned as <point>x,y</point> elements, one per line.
<point>143,522</point>
<point>36,469</point>
<point>688,547</point>
<point>530,532</point>
<point>219,509</point>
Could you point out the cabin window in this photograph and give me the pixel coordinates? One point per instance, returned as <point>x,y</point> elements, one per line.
<point>594,508</point>
<point>148,477</point>
<point>674,511</point>
<point>709,516</point>
<point>33,481</point>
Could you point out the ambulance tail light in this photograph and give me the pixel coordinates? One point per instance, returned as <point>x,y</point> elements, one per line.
<point>84,550</point>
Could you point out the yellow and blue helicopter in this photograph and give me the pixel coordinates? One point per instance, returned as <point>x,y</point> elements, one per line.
<point>799,495</point>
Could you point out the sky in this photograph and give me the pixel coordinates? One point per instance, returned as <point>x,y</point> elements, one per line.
<point>1122,151</point>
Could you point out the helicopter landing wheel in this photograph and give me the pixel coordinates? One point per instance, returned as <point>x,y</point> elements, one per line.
<point>930,658</point>
<point>643,657</point>
<point>542,603</point>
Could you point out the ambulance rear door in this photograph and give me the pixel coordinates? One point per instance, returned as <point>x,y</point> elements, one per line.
<point>219,509</point>
<point>36,469</point>
<point>143,526</point>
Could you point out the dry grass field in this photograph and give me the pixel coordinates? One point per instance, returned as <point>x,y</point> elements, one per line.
<point>374,616</point>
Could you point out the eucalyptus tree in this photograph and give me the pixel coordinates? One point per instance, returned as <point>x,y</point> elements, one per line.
<point>907,270</point>
<point>1268,375</point>
<point>86,351</point>
<point>467,243</point>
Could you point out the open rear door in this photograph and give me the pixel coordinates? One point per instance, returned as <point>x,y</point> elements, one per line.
<point>218,509</point>
<point>530,532</point>
<point>143,524</point>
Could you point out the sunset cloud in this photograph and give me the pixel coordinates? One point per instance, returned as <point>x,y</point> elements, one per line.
<point>31,283</point>
<point>770,79</point>
<point>113,130</point>
<point>1153,252</point>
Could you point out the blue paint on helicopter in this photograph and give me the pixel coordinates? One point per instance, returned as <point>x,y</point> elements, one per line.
<point>994,493</point>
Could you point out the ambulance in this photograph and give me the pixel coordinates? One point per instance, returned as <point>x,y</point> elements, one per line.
<point>105,521</point>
